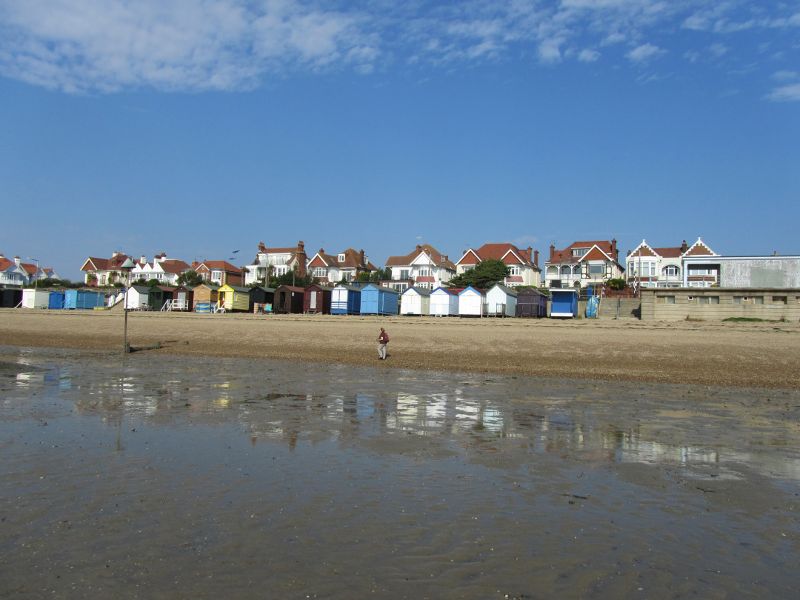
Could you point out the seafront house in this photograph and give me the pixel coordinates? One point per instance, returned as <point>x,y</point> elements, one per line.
<point>218,272</point>
<point>104,272</point>
<point>651,267</point>
<point>164,270</point>
<point>15,273</point>
<point>344,266</point>
<point>523,265</point>
<point>276,262</point>
<point>424,267</point>
<point>582,264</point>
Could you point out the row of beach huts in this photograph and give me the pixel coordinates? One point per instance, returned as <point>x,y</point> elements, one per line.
<point>369,299</point>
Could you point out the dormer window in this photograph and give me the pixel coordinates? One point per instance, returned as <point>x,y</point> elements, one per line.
<point>579,251</point>
<point>341,257</point>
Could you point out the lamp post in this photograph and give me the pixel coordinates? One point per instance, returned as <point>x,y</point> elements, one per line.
<point>35,275</point>
<point>126,268</point>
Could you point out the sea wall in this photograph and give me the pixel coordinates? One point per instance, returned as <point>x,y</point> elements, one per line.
<point>716,304</point>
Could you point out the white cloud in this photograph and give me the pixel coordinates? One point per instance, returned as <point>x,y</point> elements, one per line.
<point>587,55</point>
<point>195,45</point>
<point>785,75</point>
<point>785,93</point>
<point>644,53</point>
<point>108,45</point>
<point>718,50</point>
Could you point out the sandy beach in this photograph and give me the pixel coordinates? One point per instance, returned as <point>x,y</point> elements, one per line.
<point>708,353</point>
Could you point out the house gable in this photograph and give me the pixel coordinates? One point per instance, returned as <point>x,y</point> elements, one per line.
<point>469,258</point>
<point>699,248</point>
<point>595,253</point>
<point>644,249</point>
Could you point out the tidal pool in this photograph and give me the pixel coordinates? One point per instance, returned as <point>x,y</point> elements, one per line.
<point>152,476</point>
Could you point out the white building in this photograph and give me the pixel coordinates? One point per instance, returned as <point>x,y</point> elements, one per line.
<point>424,267</point>
<point>164,270</point>
<point>649,266</point>
<point>523,265</point>
<point>344,266</point>
<point>105,271</point>
<point>276,262</point>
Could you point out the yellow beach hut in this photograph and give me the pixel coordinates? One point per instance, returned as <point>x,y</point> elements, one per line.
<point>234,298</point>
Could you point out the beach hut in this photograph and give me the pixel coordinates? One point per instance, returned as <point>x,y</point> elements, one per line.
<point>444,302</point>
<point>531,303</point>
<point>206,294</point>
<point>288,299</point>
<point>55,301</point>
<point>564,303</point>
<point>471,302</point>
<point>74,299</point>
<point>181,298</point>
<point>501,301</point>
<point>261,299</point>
<point>234,298</point>
<point>142,297</point>
<point>377,300</point>
<point>10,297</point>
<point>35,298</point>
<point>415,301</point>
<point>317,300</point>
<point>346,300</point>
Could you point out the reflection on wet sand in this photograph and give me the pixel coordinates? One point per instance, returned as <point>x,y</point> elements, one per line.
<point>456,416</point>
<point>224,477</point>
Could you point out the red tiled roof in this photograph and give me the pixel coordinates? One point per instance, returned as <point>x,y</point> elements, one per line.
<point>174,266</point>
<point>105,264</point>
<point>218,265</point>
<point>437,257</point>
<point>668,252</point>
<point>5,263</point>
<point>497,251</point>
<point>565,255</point>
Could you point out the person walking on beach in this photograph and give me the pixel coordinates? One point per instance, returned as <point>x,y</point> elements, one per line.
<point>383,340</point>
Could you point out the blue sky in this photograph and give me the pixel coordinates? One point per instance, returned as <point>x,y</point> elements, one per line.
<point>199,127</point>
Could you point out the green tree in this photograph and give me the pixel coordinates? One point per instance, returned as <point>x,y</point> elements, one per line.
<point>190,278</point>
<point>380,275</point>
<point>617,284</point>
<point>484,275</point>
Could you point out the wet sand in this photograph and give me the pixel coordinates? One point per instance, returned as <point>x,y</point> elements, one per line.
<point>708,353</point>
<point>162,476</point>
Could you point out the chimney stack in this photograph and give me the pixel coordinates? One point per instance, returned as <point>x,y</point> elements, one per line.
<point>362,260</point>
<point>552,252</point>
<point>684,247</point>
<point>614,251</point>
<point>16,260</point>
<point>535,258</point>
<point>142,259</point>
<point>419,247</point>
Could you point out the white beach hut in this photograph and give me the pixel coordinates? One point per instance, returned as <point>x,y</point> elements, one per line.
<point>138,298</point>
<point>501,301</point>
<point>443,303</point>
<point>471,302</point>
<point>35,298</point>
<point>415,301</point>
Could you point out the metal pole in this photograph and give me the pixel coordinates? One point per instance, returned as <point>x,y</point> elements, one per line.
<point>125,348</point>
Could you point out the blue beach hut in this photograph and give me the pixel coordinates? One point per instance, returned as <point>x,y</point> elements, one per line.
<point>83,299</point>
<point>378,300</point>
<point>56,300</point>
<point>346,300</point>
<point>563,303</point>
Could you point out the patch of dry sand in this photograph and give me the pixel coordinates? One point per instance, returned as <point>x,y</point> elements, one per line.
<point>711,353</point>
